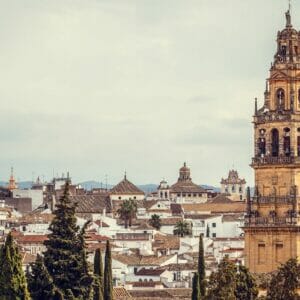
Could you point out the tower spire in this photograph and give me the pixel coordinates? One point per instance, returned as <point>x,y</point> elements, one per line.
<point>288,16</point>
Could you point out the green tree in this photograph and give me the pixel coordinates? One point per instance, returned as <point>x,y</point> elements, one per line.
<point>98,272</point>
<point>13,285</point>
<point>155,221</point>
<point>201,267</point>
<point>65,257</point>
<point>246,287</point>
<point>40,283</point>
<point>182,228</point>
<point>108,284</point>
<point>196,295</point>
<point>222,283</point>
<point>285,281</point>
<point>127,212</point>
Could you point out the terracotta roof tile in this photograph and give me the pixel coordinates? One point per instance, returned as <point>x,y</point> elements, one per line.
<point>215,207</point>
<point>149,272</point>
<point>186,187</point>
<point>92,203</point>
<point>126,187</point>
<point>120,293</point>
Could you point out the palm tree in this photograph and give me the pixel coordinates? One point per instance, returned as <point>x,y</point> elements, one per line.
<point>182,228</point>
<point>127,211</point>
<point>155,221</point>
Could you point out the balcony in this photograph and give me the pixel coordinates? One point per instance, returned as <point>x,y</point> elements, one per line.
<point>269,221</point>
<point>274,160</point>
<point>273,199</point>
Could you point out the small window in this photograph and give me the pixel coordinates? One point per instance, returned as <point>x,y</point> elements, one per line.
<point>178,195</point>
<point>214,225</point>
<point>158,205</point>
<point>214,235</point>
<point>120,198</point>
<point>134,197</point>
<point>183,195</point>
<point>195,195</point>
<point>189,195</point>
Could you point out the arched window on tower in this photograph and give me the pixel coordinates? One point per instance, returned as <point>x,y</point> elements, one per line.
<point>287,142</point>
<point>275,142</point>
<point>262,146</point>
<point>280,99</point>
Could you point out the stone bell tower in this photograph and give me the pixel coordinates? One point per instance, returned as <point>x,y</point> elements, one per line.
<point>272,224</point>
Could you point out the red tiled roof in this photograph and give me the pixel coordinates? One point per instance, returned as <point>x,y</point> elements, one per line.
<point>127,188</point>
<point>186,186</point>
<point>28,239</point>
<point>149,272</point>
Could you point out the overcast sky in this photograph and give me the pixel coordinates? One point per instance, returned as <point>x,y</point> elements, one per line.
<point>98,87</point>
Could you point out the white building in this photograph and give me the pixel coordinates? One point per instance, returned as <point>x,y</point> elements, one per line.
<point>35,195</point>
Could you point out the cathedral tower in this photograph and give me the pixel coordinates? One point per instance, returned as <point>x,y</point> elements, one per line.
<point>272,224</point>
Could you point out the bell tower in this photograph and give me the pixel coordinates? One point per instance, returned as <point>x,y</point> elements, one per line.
<point>272,223</point>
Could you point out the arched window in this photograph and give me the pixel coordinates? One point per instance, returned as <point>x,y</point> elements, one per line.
<point>262,146</point>
<point>286,142</point>
<point>280,98</point>
<point>275,142</point>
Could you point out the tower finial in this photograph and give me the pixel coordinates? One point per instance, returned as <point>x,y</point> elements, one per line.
<point>288,16</point>
<point>255,106</point>
<point>125,175</point>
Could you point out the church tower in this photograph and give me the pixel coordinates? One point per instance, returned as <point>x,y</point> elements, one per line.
<point>272,224</point>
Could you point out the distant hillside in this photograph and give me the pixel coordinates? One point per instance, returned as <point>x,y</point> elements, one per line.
<point>21,184</point>
<point>92,184</point>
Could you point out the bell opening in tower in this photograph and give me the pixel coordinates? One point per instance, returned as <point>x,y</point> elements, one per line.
<point>275,142</point>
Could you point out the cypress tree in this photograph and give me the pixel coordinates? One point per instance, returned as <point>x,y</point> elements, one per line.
<point>40,283</point>
<point>196,295</point>
<point>12,278</point>
<point>108,285</point>
<point>207,231</point>
<point>65,257</point>
<point>201,267</point>
<point>98,272</point>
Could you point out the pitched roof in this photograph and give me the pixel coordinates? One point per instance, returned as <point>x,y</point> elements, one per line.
<point>186,186</point>
<point>32,238</point>
<point>149,272</point>
<point>166,242</point>
<point>91,203</point>
<point>233,207</point>
<point>221,198</point>
<point>126,187</point>
<point>135,260</point>
<point>176,208</point>
<point>121,293</point>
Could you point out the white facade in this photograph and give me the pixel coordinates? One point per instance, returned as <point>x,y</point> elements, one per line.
<point>35,195</point>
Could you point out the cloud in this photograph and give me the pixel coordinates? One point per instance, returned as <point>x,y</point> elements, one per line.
<point>102,86</point>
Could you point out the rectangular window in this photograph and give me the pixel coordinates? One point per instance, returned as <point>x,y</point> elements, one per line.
<point>261,253</point>
<point>214,235</point>
<point>214,225</point>
<point>279,252</point>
